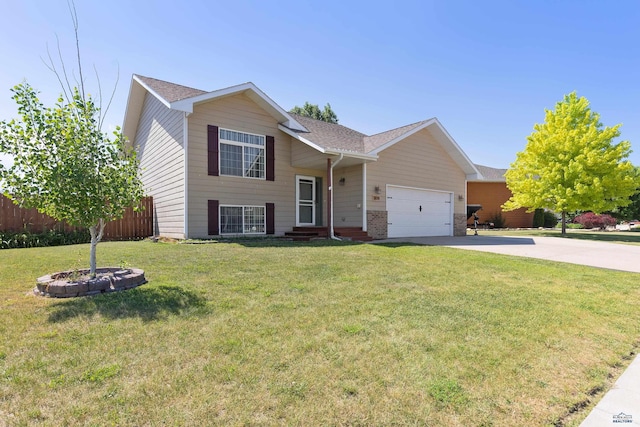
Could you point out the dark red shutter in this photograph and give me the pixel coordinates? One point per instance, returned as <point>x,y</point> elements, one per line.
<point>213,217</point>
<point>271,158</point>
<point>270,214</point>
<point>212,150</point>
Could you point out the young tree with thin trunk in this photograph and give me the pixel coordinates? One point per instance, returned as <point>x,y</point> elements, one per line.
<point>570,163</point>
<point>64,165</point>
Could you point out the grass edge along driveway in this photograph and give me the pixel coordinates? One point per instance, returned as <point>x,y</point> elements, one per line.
<point>326,333</point>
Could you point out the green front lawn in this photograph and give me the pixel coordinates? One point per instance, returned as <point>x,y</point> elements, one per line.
<point>324,333</point>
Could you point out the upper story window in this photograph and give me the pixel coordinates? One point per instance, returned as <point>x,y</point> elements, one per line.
<point>242,154</point>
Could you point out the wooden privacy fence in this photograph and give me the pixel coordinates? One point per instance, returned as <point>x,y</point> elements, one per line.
<point>134,225</point>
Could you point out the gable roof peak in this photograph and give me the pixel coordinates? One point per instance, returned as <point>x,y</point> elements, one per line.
<point>379,140</point>
<point>412,125</point>
<point>170,92</point>
<point>184,98</point>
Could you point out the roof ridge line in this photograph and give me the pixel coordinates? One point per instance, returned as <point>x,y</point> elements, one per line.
<point>403,126</point>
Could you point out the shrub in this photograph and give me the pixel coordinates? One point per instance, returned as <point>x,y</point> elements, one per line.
<point>27,239</point>
<point>549,219</point>
<point>592,220</point>
<point>538,218</point>
<point>497,220</point>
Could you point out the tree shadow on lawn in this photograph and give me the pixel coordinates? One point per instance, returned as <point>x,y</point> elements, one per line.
<point>147,303</point>
<point>275,242</point>
<point>394,245</point>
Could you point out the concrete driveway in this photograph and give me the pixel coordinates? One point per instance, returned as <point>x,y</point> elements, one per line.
<point>584,252</point>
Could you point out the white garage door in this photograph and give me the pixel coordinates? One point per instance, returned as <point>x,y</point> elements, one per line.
<point>414,212</point>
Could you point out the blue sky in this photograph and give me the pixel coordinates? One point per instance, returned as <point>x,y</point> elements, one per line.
<point>486,70</point>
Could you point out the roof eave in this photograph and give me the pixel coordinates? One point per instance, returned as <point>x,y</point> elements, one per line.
<point>325,150</point>
<point>354,155</point>
<point>401,137</point>
<point>151,91</point>
<point>300,138</point>
<point>133,108</point>
<point>252,91</point>
<point>445,140</point>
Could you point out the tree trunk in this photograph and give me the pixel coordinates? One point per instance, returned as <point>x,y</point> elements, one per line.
<point>96,232</point>
<point>564,223</point>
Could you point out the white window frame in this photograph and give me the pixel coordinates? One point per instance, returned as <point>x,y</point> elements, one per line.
<point>244,145</point>
<point>244,210</point>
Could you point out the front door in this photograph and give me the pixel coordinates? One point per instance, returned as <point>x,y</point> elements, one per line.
<point>305,201</point>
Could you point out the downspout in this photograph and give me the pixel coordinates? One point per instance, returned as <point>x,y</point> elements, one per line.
<point>333,165</point>
<point>364,197</point>
<point>185,143</point>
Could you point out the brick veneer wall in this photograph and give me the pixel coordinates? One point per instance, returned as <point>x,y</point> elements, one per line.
<point>491,195</point>
<point>377,224</point>
<point>459,224</point>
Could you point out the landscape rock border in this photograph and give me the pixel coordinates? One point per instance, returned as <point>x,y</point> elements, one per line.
<point>76,283</point>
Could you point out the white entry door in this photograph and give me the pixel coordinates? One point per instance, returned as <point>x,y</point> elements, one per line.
<point>415,212</point>
<point>305,201</point>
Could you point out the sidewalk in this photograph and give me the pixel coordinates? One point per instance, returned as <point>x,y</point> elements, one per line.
<point>621,405</point>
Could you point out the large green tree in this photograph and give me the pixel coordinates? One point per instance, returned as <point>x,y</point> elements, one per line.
<point>571,163</point>
<point>314,112</point>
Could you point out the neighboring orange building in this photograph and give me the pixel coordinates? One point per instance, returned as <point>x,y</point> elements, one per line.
<point>491,192</point>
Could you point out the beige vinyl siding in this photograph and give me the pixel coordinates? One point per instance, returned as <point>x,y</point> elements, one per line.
<point>302,155</point>
<point>347,197</point>
<point>240,113</point>
<point>417,161</point>
<point>159,139</point>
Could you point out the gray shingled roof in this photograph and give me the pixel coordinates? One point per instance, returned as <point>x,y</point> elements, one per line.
<point>327,135</point>
<point>170,91</point>
<point>491,174</point>
<point>331,135</point>
<point>340,137</point>
<point>374,141</point>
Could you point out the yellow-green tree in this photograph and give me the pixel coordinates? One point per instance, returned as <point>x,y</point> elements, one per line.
<point>571,163</point>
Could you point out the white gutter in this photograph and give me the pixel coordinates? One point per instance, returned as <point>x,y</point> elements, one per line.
<point>333,165</point>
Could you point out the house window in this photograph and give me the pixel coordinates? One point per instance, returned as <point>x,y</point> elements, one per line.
<point>242,154</point>
<point>242,220</point>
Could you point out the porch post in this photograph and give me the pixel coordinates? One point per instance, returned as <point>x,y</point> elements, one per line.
<point>329,198</point>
